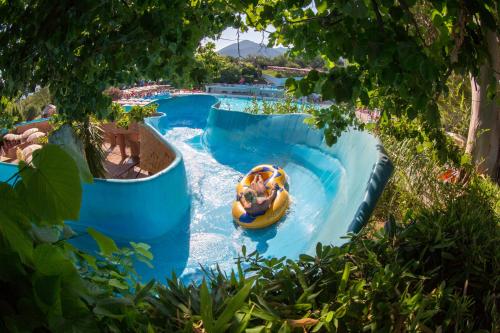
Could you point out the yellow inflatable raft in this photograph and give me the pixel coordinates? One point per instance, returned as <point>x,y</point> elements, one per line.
<point>272,176</point>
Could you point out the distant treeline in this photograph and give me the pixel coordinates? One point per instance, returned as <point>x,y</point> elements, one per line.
<point>27,108</point>
<point>211,67</point>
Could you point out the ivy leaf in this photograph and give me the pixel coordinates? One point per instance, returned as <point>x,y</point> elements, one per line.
<point>321,6</point>
<point>50,260</point>
<point>107,246</point>
<point>17,238</point>
<point>55,191</point>
<point>47,291</point>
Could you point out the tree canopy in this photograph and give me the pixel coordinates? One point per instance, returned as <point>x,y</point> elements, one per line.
<point>399,53</point>
<point>80,48</point>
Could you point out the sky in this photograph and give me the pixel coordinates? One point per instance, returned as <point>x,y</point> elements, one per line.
<point>229,36</point>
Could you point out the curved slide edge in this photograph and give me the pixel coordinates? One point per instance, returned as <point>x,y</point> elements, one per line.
<point>374,169</point>
<point>139,209</point>
<point>382,172</point>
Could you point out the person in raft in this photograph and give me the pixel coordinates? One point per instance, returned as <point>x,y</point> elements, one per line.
<point>255,200</point>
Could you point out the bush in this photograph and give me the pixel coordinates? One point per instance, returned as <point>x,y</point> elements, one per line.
<point>436,269</point>
<point>433,267</point>
<point>31,113</point>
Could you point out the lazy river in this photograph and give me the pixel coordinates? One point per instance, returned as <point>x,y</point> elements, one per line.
<point>187,218</point>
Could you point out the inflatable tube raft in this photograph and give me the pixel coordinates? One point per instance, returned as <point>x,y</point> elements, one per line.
<point>273,177</point>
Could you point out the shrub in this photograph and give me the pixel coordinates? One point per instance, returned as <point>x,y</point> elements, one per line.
<point>433,267</point>
<point>46,284</point>
<point>435,270</point>
<point>31,113</point>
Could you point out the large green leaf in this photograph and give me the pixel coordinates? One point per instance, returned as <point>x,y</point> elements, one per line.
<point>53,190</point>
<point>50,260</point>
<point>17,238</point>
<point>81,163</point>
<point>47,291</point>
<point>107,246</point>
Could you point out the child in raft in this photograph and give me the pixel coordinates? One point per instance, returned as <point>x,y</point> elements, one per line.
<point>255,199</point>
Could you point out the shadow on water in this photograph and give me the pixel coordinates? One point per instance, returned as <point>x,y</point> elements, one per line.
<point>170,251</point>
<point>262,236</point>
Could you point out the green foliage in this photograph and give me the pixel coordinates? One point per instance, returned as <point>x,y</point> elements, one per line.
<point>398,55</point>
<point>288,60</point>
<point>136,114</point>
<point>25,109</point>
<point>286,105</point>
<point>455,105</point>
<point>211,67</point>
<point>433,141</point>
<point>48,285</point>
<point>334,120</point>
<point>8,115</point>
<point>92,138</point>
<point>103,44</point>
<point>31,113</point>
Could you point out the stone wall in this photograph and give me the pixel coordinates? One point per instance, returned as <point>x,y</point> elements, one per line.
<point>155,155</point>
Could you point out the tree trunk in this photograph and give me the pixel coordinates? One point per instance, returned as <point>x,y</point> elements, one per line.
<point>483,141</point>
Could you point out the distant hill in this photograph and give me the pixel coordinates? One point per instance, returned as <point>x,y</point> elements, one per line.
<point>249,48</point>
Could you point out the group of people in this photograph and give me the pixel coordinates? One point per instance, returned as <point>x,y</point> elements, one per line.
<point>255,199</point>
<point>145,91</point>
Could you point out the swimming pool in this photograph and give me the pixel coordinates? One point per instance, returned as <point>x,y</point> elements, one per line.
<point>329,187</point>
<point>213,166</point>
<point>184,212</point>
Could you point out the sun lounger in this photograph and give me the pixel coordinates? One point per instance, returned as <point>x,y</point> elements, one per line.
<point>25,135</point>
<point>27,153</point>
<point>35,136</point>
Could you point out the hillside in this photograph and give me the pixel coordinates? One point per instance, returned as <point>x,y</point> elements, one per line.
<point>249,48</point>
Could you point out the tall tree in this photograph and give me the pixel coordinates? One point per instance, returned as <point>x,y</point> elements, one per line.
<point>399,55</point>
<point>81,47</point>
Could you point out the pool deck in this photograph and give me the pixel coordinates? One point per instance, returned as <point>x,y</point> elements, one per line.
<point>119,168</point>
<point>116,166</point>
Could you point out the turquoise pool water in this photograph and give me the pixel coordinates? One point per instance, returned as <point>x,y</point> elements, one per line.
<point>184,211</point>
<point>213,170</point>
